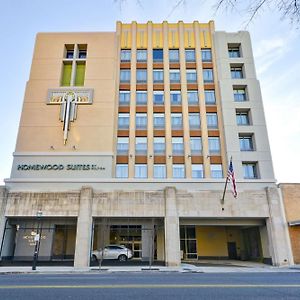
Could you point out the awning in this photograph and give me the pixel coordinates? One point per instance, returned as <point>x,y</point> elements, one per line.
<point>294,223</point>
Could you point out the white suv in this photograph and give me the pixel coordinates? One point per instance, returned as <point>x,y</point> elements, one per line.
<point>119,252</point>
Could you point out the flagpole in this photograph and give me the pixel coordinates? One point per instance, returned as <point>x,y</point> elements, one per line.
<point>222,200</point>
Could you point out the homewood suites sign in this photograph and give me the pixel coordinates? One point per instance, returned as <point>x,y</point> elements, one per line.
<point>59,167</point>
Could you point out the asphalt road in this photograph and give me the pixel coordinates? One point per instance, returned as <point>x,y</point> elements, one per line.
<point>150,285</point>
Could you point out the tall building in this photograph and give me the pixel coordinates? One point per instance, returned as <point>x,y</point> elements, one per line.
<point>125,138</point>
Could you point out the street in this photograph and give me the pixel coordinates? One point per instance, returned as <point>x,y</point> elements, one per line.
<point>151,285</point>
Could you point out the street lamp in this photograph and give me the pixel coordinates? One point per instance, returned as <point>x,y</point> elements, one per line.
<point>37,239</point>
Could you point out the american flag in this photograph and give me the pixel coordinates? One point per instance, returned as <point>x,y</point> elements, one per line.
<point>231,178</point>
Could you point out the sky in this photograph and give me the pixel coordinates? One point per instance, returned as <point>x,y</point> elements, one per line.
<point>275,42</point>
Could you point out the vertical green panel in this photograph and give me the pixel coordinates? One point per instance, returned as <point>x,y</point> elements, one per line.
<point>80,72</point>
<point>66,77</point>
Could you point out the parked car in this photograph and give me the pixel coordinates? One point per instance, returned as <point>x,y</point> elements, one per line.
<point>119,252</point>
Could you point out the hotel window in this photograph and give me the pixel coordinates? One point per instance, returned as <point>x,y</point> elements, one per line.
<point>175,97</point>
<point>197,171</point>
<point>246,142</point>
<point>236,72</point>
<point>242,117</point>
<point>192,97</point>
<point>173,55</point>
<point>177,146</point>
<point>214,145</point>
<point>141,121</point>
<point>159,171</point>
<point>194,120</point>
<point>158,76</point>
<point>140,171</point>
<point>212,120</point>
<point>141,55</point>
<point>69,50</point>
<point>191,76</point>
<point>216,171</point>
<point>206,55</point>
<point>159,145</point>
<point>141,97</point>
<point>239,94</point>
<point>124,76</point>
<point>140,146</point>
<point>82,51</point>
<point>196,145</point>
<point>190,55</point>
<point>125,55</point>
<point>210,97</point>
<point>159,120</point>
<point>176,120</point>
<point>122,145</point>
<point>158,55</point>
<point>178,171</point>
<point>122,171</point>
<point>141,76</point>
<point>124,98</point>
<point>208,75</point>
<point>250,170</point>
<point>158,98</point>
<point>234,51</point>
<point>174,76</point>
<point>123,121</point>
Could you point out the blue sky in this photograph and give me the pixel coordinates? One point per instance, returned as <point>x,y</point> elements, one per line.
<point>275,42</point>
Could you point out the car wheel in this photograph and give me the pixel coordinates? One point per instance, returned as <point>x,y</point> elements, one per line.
<point>122,257</point>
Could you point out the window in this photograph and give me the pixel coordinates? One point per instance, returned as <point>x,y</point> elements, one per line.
<point>66,74</point>
<point>196,145</point>
<point>141,97</point>
<point>159,120</point>
<point>124,76</point>
<point>246,142</point>
<point>141,55</point>
<point>236,72</point>
<point>210,97</point>
<point>239,94</point>
<point>158,76</point>
<point>125,55</point>
<point>214,145</point>
<point>122,171</point>
<point>124,98</point>
<point>174,76</point>
<point>190,55</point>
<point>122,145</point>
<point>216,171</point>
<point>208,75</point>
<point>140,146</point>
<point>177,146</point>
<point>123,121</point>
<point>197,171</point>
<point>178,171</point>
<point>174,55</point>
<point>242,117</point>
<point>206,54</point>
<point>250,170</point>
<point>212,120</point>
<point>176,120</point>
<point>191,76</point>
<point>159,145</point>
<point>158,98</point>
<point>82,53</point>
<point>175,97</point>
<point>141,121</point>
<point>234,51</point>
<point>194,120</point>
<point>158,55</point>
<point>192,97</point>
<point>141,76</point>
<point>140,171</point>
<point>69,51</point>
<point>159,171</point>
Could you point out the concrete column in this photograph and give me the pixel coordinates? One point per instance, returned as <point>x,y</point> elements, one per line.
<point>84,229</point>
<point>172,239</point>
<point>3,201</point>
<point>160,242</point>
<point>147,241</point>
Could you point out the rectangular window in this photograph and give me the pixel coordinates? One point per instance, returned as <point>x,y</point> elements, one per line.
<point>176,120</point>
<point>125,76</point>
<point>206,55</point>
<point>141,55</point>
<point>158,55</point>
<point>80,74</point>
<point>82,53</point>
<point>140,146</point>
<point>141,76</point>
<point>66,74</point>
<point>178,171</point>
<point>236,72</point>
<point>212,120</point>
<point>214,145</point>
<point>159,120</point>
<point>194,120</point>
<point>196,145</point>
<point>197,171</point>
<point>159,171</point>
<point>141,121</point>
<point>234,51</point>
<point>158,76</point>
<point>159,145</point>
<point>122,145</point>
<point>239,94</point>
<point>70,52</point>
<point>124,98</point>
<point>140,171</point>
<point>250,170</point>
<point>191,76</point>
<point>174,76</point>
<point>125,55</point>
<point>122,171</point>
<point>246,142</point>
<point>208,75</point>
<point>190,55</point>
<point>177,146</point>
<point>123,121</point>
<point>216,171</point>
<point>175,97</point>
<point>242,117</point>
<point>158,98</point>
<point>141,97</point>
<point>192,97</point>
<point>210,97</point>
<point>174,55</point>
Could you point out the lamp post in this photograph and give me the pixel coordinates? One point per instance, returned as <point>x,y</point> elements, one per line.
<point>37,240</point>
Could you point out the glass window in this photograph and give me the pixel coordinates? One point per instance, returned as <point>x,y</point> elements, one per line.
<point>210,97</point>
<point>122,171</point>
<point>214,145</point>
<point>159,171</point>
<point>250,170</point>
<point>178,171</point>
<point>159,120</point>
<point>206,54</point>
<point>234,51</point>
<point>158,98</point>
<point>236,72</point>
<point>216,171</point>
<point>191,76</point>
<point>122,145</point>
<point>159,145</point>
<point>197,171</point>
<point>141,146</point>
<point>125,55</point>
<point>158,76</point>
<point>175,97</point>
<point>239,94</point>
<point>140,171</point>
<point>82,54</point>
<point>176,120</point>
<point>141,76</point>
<point>177,146</point>
<point>123,121</point>
<point>194,120</point>
<point>212,120</point>
<point>246,142</point>
<point>192,97</point>
<point>124,98</point>
<point>70,53</point>
<point>242,117</point>
<point>125,76</point>
<point>196,145</point>
<point>208,75</point>
<point>158,55</point>
<point>141,121</point>
<point>141,55</point>
<point>190,55</point>
<point>174,76</point>
<point>141,97</point>
<point>174,55</point>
